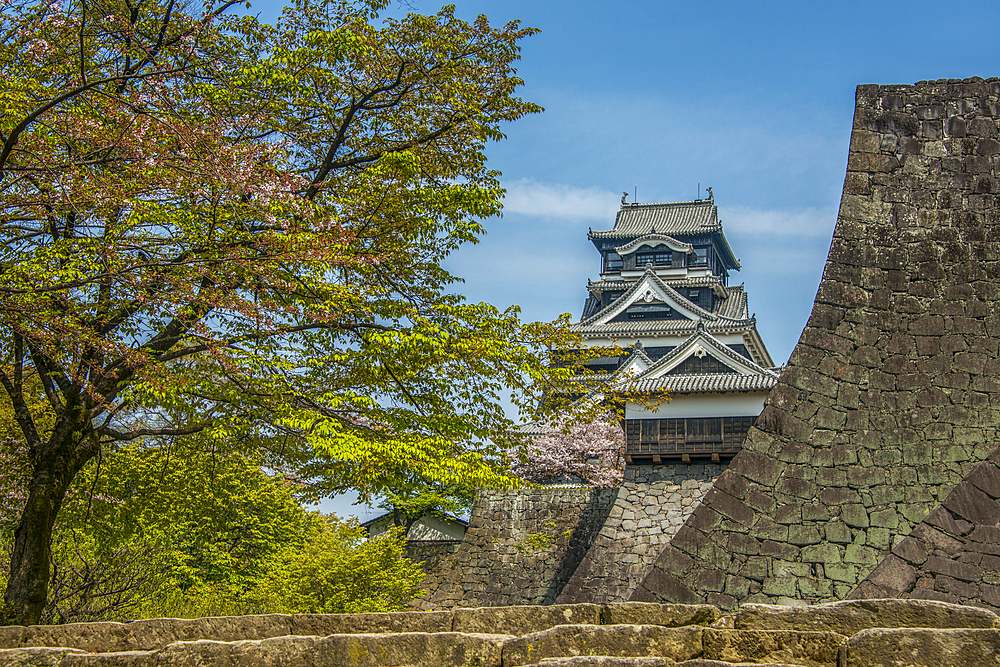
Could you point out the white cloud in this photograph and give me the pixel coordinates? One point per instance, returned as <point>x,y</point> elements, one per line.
<point>555,200</point>
<point>796,222</point>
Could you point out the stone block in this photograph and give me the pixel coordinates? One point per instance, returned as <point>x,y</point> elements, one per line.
<point>884,518</point>
<point>815,512</point>
<point>913,647</point>
<point>335,624</point>
<point>763,646</point>
<point>841,572</point>
<point>850,617</point>
<point>361,650</point>
<point>666,615</point>
<point>822,553</point>
<point>803,534</point>
<point>758,467</point>
<point>523,619</point>
<point>729,507</point>
<point>608,661</point>
<point>972,504</point>
<point>855,516</point>
<point>677,644</point>
<point>837,532</point>
<point>860,555</point>
<point>781,586</point>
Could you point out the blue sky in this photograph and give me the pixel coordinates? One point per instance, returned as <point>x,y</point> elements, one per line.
<point>754,99</point>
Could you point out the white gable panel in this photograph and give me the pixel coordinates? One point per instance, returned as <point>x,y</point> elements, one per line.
<point>648,291</point>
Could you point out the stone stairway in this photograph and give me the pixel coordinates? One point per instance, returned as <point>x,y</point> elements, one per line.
<point>856,633</point>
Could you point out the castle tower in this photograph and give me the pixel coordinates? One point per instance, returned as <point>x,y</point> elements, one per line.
<point>664,295</point>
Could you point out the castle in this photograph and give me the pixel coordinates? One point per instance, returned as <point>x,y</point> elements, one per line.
<point>664,292</point>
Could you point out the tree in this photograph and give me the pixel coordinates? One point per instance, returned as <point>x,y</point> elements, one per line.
<point>222,227</point>
<point>576,446</point>
<point>186,531</point>
<point>340,571</point>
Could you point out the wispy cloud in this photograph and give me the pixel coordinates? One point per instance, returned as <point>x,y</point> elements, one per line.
<point>555,200</point>
<point>796,222</point>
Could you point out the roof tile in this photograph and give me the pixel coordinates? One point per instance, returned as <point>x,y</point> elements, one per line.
<point>691,217</point>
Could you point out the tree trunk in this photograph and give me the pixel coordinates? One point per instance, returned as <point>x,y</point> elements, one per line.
<point>52,474</point>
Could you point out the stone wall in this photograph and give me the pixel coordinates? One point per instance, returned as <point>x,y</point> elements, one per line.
<point>651,505</point>
<point>954,554</point>
<point>521,547</point>
<point>892,394</point>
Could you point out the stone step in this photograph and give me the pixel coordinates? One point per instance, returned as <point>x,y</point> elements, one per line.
<point>849,617</point>
<point>923,647</point>
<point>611,661</point>
<point>722,663</point>
<point>415,649</point>
<point>651,613</point>
<point>604,661</point>
<point>150,634</point>
<point>772,646</point>
<point>621,641</point>
<point>524,619</point>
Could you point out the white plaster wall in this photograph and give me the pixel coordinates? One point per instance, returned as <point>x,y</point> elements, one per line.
<point>732,404</point>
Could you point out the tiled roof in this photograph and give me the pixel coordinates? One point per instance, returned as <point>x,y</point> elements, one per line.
<point>682,384</point>
<point>691,217</point>
<point>734,305</point>
<point>703,339</point>
<point>697,281</point>
<point>654,239</point>
<point>635,286</point>
<point>665,327</point>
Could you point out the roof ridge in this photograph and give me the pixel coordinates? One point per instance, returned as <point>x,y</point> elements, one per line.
<point>670,203</point>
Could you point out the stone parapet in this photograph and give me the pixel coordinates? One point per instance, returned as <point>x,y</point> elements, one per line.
<point>698,636</point>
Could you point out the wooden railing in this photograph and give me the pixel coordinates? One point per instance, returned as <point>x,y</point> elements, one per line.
<point>682,438</point>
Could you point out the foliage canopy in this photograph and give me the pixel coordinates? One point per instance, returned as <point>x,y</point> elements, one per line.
<point>217,226</point>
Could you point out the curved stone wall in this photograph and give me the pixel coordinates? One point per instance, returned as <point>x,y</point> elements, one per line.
<point>892,394</point>
<point>652,504</point>
<point>521,547</point>
<point>954,554</point>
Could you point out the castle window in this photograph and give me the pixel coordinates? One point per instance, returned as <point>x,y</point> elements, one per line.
<point>613,262</point>
<point>654,258</point>
<point>651,311</point>
<point>700,257</point>
<point>693,436</point>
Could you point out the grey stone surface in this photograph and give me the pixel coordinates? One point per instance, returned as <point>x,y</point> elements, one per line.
<point>604,640</point>
<point>364,650</point>
<point>605,661</point>
<point>651,505</point>
<point>892,395</point>
<point>774,646</point>
<point>923,648</point>
<point>668,615</point>
<point>853,616</point>
<point>156,633</point>
<point>524,619</point>
<point>607,644</point>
